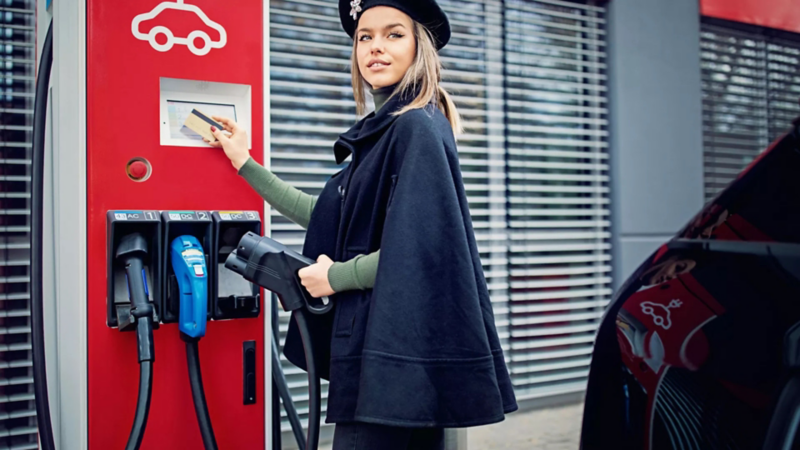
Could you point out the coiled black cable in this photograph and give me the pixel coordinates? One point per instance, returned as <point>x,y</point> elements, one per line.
<point>288,404</point>
<point>131,253</point>
<point>276,399</point>
<point>142,405</point>
<point>42,399</point>
<point>314,394</point>
<point>199,397</point>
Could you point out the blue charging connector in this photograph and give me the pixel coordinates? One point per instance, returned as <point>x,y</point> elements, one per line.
<point>189,264</point>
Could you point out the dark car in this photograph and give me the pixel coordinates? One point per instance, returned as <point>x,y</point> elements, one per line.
<point>700,348</point>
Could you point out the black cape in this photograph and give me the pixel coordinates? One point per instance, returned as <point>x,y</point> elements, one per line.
<point>421,348</point>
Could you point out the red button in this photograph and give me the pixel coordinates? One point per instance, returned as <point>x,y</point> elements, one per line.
<point>137,169</point>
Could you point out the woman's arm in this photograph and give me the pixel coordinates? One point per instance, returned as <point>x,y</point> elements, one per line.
<point>293,203</point>
<point>289,201</point>
<point>296,205</point>
<point>326,277</point>
<point>357,273</point>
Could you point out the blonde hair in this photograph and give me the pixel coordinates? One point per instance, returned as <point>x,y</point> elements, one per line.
<point>424,75</point>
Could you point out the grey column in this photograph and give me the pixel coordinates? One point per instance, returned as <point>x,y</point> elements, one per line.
<point>656,125</point>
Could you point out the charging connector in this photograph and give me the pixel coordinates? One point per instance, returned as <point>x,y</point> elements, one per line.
<point>132,254</point>
<point>189,264</point>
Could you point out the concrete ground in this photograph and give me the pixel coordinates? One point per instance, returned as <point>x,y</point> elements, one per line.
<point>555,428</point>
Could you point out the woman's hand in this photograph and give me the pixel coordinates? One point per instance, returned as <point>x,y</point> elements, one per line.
<point>315,277</point>
<point>235,145</point>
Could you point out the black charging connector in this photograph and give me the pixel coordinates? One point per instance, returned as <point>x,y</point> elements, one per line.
<point>120,226</point>
<point>273,266</point>
<point>131,253</point>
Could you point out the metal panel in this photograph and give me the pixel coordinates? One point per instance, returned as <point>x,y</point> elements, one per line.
<point>17,55</point>
<point>750,96</point>
<point>69,225</point>
<point>529,80</point>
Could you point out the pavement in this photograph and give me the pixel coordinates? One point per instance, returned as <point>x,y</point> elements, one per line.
<point>544,429</point>
<point>556,428</point>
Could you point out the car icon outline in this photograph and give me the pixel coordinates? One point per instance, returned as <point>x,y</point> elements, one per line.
<point>661,313</point>
<point>188,41</point>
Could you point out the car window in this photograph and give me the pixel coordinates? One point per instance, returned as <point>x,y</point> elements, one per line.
<point>760,205</point>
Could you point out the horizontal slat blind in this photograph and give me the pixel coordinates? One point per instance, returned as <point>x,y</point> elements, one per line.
<point>557,192</point>
<point>783,82</point>
<point>750,95</point>
<point>17,56</point>
<point>735,113</point>
<point>473,75</point>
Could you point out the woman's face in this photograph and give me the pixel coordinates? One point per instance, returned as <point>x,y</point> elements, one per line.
<point>385,45</point>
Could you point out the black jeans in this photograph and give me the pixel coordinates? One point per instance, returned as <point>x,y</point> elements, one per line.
<point>368,436</point>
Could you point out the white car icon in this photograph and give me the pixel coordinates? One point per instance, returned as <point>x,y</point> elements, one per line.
<point>661,313</point>
<point>189,41</point>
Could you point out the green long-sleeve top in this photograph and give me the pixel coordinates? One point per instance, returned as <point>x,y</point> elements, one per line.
<point>357,273</point>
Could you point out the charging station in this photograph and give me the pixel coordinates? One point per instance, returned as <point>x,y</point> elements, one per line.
<point>125,76</point>
<point>148,65</point>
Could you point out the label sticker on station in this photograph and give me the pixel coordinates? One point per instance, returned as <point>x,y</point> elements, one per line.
<point>188,215</point>
<point>136,215</point>
<point>238,215</point>
<point>231,215</point>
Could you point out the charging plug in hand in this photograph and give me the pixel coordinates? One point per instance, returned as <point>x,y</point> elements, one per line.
<point>315,277</point>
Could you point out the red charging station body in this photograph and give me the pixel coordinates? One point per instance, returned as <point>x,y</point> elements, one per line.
<point>123,79</point>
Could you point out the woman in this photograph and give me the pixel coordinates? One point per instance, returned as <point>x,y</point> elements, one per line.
<point>411,347</point>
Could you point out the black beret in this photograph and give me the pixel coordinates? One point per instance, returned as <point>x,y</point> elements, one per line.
<point>426,12</point>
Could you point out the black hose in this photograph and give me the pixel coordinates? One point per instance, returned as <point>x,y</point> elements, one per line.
<point>142,405</point>
<point>276,417</point>
<point>276,400</point>
<point>131,252</point>
<point>283,389</point>
<point>274,318</point>
<point>314,395</point>
<point>37,213</point>
<point>199,397</point>
<point>279,379</point>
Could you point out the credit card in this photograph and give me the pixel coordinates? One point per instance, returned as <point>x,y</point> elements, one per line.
<point>201,124</point>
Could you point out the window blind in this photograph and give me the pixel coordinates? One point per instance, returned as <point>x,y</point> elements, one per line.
<point>17,61</point>
<point>557,191</point>
<point>751,89</point>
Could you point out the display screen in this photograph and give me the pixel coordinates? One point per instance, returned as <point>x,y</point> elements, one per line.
<point>178,111</point>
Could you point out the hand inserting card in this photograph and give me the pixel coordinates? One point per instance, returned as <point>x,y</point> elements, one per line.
<point>201,124</point>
